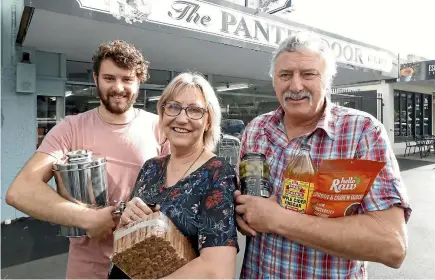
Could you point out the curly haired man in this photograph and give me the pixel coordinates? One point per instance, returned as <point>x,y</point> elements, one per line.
<point>114,130</point>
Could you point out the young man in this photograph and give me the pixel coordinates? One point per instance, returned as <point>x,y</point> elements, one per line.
<point>126,136</point>
<point>286,244</point>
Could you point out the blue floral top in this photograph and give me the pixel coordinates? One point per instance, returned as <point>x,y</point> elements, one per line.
<point>200,205</point>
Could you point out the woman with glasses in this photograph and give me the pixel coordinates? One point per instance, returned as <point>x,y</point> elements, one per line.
<point>192,186</point>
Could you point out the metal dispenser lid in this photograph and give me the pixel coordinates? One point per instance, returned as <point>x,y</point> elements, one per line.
<point>79,160</point>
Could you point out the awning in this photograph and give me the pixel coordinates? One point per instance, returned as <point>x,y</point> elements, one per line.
<point>211,37</point>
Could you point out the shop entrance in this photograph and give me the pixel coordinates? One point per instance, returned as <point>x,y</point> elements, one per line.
<point>367,101</point>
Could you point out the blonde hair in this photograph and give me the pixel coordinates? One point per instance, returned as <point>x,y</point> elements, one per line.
<point>196,80</point>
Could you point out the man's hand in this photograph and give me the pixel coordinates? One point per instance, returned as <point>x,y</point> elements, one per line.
<point>258,213</point>
<point>136,210</point>
<point>100,223</point>
<point>241,224</point>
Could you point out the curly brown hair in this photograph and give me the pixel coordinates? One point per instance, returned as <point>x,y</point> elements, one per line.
<point>124,55</point>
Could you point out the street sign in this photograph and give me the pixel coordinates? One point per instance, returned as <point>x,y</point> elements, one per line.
<point>274,6</point>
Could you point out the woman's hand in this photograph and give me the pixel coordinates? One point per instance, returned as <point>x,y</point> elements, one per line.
<point>136,210</point>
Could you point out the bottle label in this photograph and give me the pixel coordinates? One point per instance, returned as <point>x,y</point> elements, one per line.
<point>255,186</point>
<point>296,195</point>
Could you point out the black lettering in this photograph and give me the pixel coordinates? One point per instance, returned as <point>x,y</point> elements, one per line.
<point>326,42</point>
<point>242,27</point>
<point>348,53</point>
<point>181,7</point>
<point>205,20</point>
<point>358,56</point>
<point>260,27</point>
<point>336,47</point>
<point>227,20</point>
<point>184,8</point>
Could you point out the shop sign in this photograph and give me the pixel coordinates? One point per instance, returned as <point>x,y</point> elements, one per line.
<point>272,7</point>
<point>430,70</point>
<point>225,22</point>
<point>410,72</point>
<point>417,71</point>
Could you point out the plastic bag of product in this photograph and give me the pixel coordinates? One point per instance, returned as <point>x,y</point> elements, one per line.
<point>341,185</point>
<point>151,248</point>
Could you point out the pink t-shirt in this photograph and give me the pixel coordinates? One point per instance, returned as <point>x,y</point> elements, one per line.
<point>126,148</point>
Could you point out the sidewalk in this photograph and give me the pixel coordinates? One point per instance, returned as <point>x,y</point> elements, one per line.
<point>33,249</point>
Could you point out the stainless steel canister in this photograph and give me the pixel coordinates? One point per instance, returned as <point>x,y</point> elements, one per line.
<point>82,179</point>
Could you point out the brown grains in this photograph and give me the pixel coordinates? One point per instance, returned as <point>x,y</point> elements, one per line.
<point>153,251</point>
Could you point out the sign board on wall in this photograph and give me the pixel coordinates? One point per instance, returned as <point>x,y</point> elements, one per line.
<point>225,22</point>
<point>417,71</point>
<point>410,72</point>
<point>430,70</point>
<point>274,6</point>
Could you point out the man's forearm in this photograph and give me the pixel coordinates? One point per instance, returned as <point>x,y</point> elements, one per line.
<point>358,237</point>
<point>40,201</point>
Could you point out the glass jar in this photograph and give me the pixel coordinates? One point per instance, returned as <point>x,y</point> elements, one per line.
<point>254,175</point>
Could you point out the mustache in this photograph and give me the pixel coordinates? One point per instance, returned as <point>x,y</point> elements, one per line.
<point>116,93</point>
<point>297,95</point>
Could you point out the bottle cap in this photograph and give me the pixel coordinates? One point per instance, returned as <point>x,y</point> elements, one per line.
<point>306,147</point>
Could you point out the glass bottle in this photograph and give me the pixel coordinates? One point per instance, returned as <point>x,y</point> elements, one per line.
<point>299,179</point>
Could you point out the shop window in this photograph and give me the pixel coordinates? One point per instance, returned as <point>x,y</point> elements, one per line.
<point>82,72</point>
<point>159,77</point>
<point>48,114</point>
<point>151,97</point>
<point>79,71</point>
<point>241,108</point>
<point>427,112</point>
<point>242,100</point>
<point>412,115</point>
<point>80,98</point>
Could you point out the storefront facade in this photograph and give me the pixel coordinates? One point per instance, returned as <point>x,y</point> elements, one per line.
<point>408,108</point>
<point>47,47</point>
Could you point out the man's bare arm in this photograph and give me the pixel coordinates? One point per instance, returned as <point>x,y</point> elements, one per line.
<point>378,236</point>
<point>31,194</point>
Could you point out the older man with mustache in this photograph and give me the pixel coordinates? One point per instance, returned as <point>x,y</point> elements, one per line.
<point>286,244</point>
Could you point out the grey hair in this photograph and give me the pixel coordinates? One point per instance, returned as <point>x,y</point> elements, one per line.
<point>189,79</point>
<point>303,41</point>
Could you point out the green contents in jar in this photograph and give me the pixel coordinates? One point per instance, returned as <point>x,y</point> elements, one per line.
<point>254,168</point>
<point>254,175</point>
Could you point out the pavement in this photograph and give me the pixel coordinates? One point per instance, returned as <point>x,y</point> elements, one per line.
<point>34,249</point>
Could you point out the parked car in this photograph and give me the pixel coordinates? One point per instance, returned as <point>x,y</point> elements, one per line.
<point>233,127</point>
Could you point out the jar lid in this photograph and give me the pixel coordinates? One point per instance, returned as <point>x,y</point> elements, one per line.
<point>79,155</point>
<point>254,155</point>
<point>306,147</point>
<point>78,160</point>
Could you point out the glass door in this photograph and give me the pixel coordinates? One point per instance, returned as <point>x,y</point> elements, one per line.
<point>427,114</point>
<point>418,115</point>
<point>49,111</point>
<point>152,96</point>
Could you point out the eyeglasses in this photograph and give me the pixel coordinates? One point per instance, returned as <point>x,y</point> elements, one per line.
<point>173,110</point>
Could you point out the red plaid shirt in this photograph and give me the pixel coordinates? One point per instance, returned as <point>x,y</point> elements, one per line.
<point>341,133</point>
